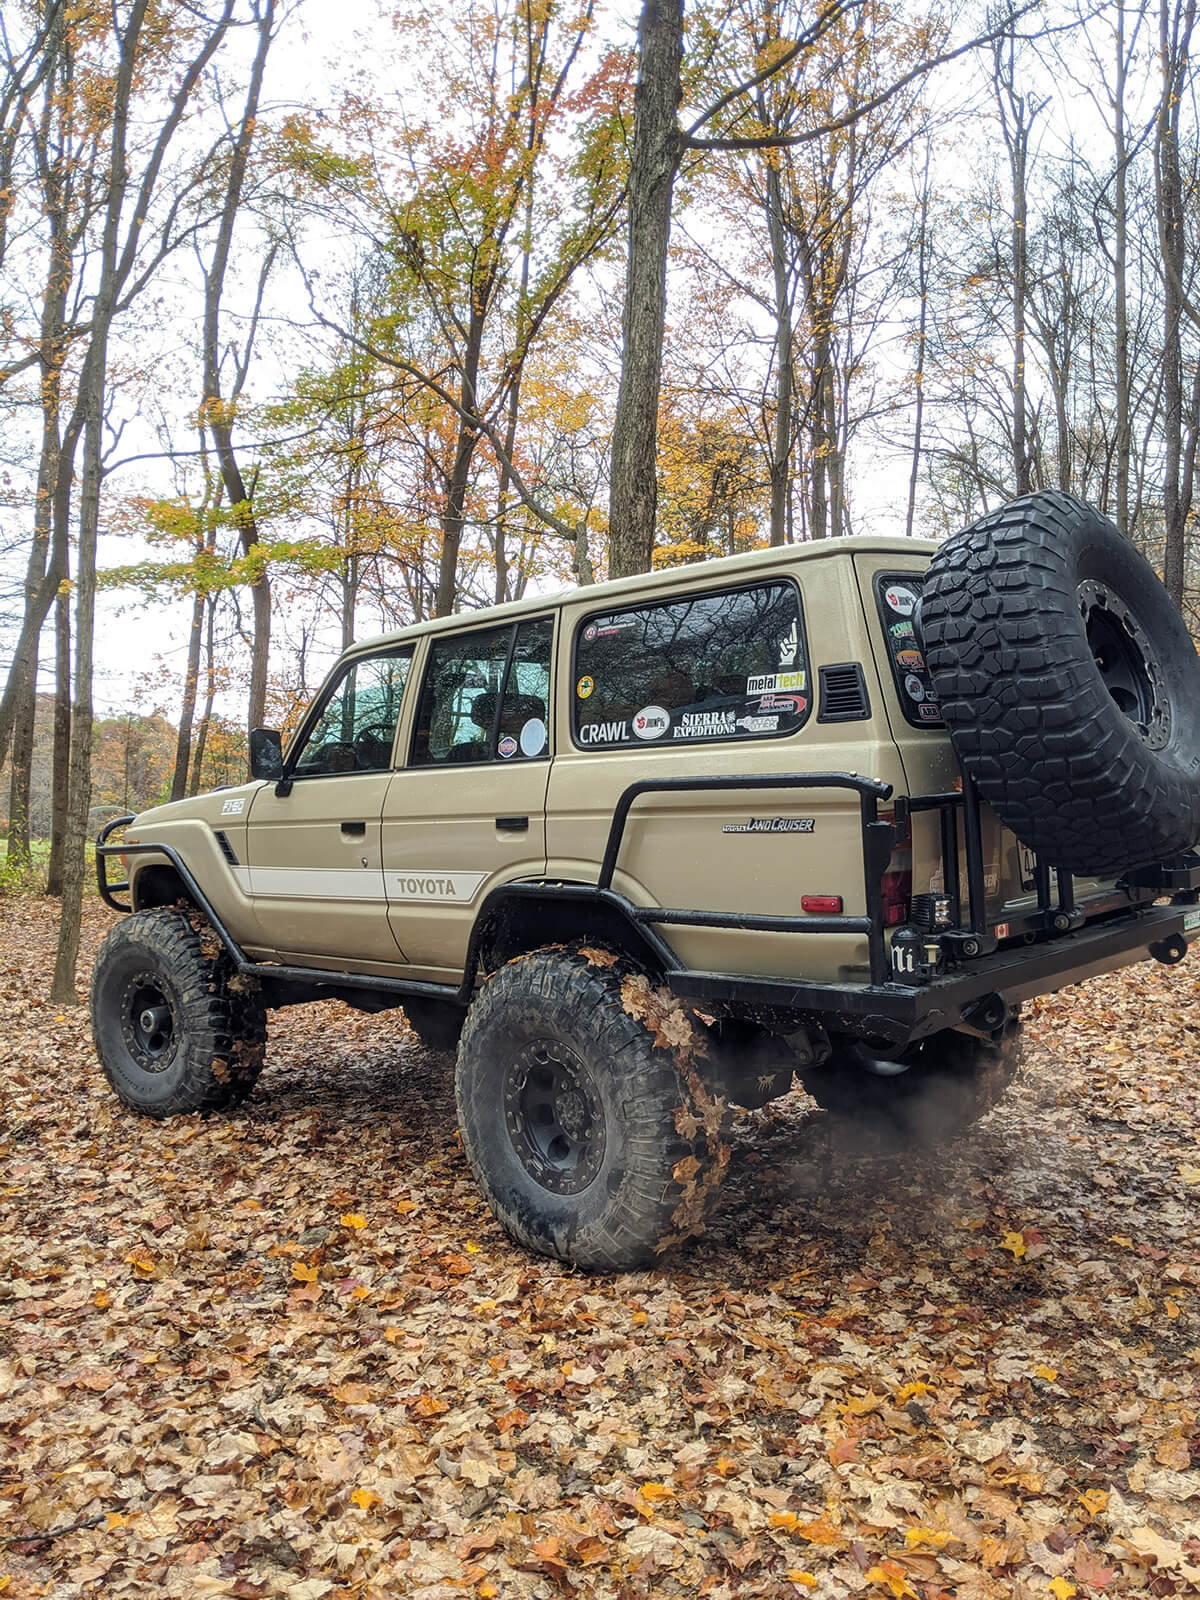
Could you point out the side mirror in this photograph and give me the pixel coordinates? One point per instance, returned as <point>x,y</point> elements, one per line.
<point>266,754</point>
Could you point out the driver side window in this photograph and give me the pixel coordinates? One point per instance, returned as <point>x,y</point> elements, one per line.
<point>357,724</point>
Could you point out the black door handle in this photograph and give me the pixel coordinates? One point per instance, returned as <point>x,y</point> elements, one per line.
<point>513,824</point>
<point>354,830</point>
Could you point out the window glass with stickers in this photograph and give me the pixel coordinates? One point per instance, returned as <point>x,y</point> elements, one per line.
<point>896,595</point>
<point>729,665</point>
<point>485,695</point>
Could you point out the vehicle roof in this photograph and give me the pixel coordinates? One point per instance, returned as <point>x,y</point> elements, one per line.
<point>694,574</point>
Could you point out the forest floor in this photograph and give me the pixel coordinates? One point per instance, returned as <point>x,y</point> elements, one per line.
<point>289,1352</point>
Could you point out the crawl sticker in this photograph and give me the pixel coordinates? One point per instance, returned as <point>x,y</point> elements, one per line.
<point>900,599</point>
<point>585,686</point>
<point>507,747</point>
<point>232,808</point>
<point>705,724</point>
<point>533,737</point>
<point>651,722</point>
<point>771,825</point>
<point>603,732</point>
<point>775,680</point>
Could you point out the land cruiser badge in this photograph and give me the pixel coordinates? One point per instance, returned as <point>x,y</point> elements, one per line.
<point>770,825</point>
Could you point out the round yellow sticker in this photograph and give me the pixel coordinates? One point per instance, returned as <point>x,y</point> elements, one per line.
<point>585,686</point>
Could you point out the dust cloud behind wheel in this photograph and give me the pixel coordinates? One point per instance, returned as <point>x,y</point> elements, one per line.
<point>1069,684</point>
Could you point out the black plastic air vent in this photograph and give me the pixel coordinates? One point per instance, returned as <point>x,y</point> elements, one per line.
<point>844,694</point>
<point>227,849</point>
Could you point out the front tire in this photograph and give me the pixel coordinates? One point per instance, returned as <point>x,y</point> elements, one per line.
<point>921,1099</point>
<point>585,1112</point>
<point>175,1027</point>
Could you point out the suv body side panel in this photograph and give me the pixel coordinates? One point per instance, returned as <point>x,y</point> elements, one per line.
<point>676,853</point>
<point>315,870</point>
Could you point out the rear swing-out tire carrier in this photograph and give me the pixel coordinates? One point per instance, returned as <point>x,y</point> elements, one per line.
<point>947,974</point>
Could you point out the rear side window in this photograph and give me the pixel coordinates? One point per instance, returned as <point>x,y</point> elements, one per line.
<point>730,665</point>
<point>485,695</point>
<point>896,596</point>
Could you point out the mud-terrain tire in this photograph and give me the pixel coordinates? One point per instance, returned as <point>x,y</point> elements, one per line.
<point>925,1098</point>
<point>585,1110</point>
<point>176,1028</point>
<point>1069,685</point>
<point>436,1023</point>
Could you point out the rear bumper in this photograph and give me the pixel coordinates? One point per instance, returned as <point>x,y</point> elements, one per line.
<point>898,1013</point>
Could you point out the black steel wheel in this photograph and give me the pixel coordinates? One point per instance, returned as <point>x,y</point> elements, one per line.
<point>175,1028</point>
<point>1069,684</point>
<point>917,1098</point>
<point>593,1138</point>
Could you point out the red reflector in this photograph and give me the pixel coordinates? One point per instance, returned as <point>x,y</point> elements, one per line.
<point>831,904</point>
<point>897,892</point>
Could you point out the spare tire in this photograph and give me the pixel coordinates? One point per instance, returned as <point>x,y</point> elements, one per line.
<point>1069,684</point>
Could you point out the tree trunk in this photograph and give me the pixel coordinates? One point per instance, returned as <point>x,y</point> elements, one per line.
<point>187,709</point>
<point>61,760</point>
<point>1175,25</point>
<point>781,445</point>
<point>1124,440</point>
<point>21,775</point>
<point>657,148</point>
<point>210,695</point>
<point>922,325</point>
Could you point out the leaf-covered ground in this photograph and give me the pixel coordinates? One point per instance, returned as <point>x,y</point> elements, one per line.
<point>288,1352</point>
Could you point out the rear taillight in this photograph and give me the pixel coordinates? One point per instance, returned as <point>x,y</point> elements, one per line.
<point>897,880</point>
<point>897,896</point>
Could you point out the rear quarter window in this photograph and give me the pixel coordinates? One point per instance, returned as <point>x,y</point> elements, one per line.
<point>896,596</point>
<point>729,665</point>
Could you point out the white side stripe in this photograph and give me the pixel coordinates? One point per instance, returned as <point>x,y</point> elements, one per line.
<point>366,884</point>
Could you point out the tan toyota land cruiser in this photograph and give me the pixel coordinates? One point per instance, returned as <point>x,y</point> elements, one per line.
<point>833,810</point>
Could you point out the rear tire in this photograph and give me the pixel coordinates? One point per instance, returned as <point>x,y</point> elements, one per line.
<point>923,1098</point>
<point>584,1112</point>
<point>175,1027</point>
<point>1069,684</point>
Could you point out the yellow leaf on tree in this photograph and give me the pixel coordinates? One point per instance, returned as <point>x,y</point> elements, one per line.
<point>365,1499</point>
<point>1015,1243</point>
<point>353,1219</point>
<point>926,1538</point>
<point>1061,1589</point>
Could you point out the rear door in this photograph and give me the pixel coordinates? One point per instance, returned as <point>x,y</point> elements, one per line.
<point>468,811</point>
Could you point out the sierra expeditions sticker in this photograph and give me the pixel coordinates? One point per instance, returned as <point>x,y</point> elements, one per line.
<point>651,722</point>
<point>507,747</point>
<point>771,825</point>
<point>900,599</point>
<point>533,737</point>
<point>585,686</point>
<point>705,724</point>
